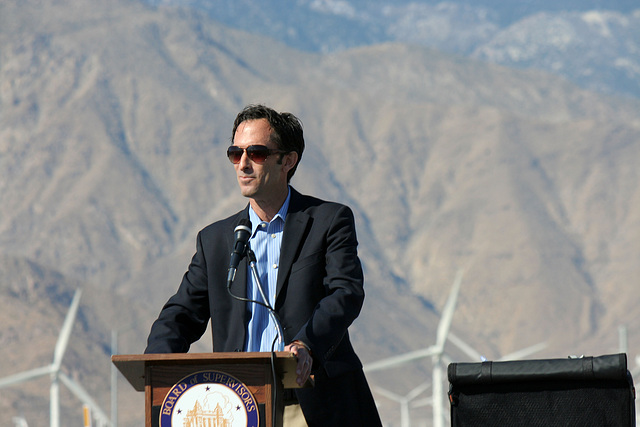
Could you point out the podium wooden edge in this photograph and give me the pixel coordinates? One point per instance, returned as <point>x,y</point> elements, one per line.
<point>133,366</point>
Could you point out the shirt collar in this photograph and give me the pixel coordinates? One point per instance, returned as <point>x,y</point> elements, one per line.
<point>282,214</point>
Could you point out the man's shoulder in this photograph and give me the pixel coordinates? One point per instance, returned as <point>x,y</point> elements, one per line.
<point>311,204</point>
<point>223,225</point>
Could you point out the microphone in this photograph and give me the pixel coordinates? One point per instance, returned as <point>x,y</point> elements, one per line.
<point>242,233</point>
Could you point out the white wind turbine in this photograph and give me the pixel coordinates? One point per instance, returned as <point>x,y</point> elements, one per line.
<point>56,374</point>
<point>438,356</point>
<point>435,351</point>
<point>404,401</point>
<point>441,338</point>
<point>476,356</point>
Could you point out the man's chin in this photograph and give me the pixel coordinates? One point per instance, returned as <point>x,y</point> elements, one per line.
<point>247,191</point>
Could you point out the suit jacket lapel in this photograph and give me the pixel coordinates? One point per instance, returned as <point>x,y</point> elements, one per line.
<point>294,230</point>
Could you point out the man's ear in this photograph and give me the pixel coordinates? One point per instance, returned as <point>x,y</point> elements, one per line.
<point>289,160</point>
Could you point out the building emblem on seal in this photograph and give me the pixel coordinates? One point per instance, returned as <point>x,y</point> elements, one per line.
<point>209,398</point>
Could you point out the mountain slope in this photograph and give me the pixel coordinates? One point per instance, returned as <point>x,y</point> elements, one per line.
<point>115,119</point>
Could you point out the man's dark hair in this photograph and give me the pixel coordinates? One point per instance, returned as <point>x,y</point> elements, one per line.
<point>286,129</point>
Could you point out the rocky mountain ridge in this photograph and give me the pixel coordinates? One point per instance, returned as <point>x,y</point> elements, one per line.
<point>594,44</point>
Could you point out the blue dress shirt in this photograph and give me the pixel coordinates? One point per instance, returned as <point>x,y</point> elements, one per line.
<point>265,241</point>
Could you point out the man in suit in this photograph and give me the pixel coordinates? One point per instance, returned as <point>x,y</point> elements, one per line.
<point>307,262</point>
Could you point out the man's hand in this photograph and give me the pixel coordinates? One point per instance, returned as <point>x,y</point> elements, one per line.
<point>305,361</point>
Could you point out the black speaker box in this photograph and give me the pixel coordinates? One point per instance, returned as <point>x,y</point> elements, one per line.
<point>585,391</point>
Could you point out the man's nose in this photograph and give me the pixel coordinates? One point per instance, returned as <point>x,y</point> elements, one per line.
<point>244,161</point>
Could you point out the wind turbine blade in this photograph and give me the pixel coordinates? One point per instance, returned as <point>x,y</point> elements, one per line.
<point>83,395</point>
<point>399,360</point>
<point>65,333</point>
<point>388,394</point>
<point>446,359</point>
<point>466,348</point>
<point>20,422</point>
<point>428,400</point>
<point>26,376</point>
<point>520,354</point>
<point>417,391</point>
<point>447,312</point>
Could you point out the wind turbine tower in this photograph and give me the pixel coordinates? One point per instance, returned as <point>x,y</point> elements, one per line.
<point>54,370</point>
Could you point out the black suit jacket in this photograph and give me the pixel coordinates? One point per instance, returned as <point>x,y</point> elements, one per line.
<point>319,293</point>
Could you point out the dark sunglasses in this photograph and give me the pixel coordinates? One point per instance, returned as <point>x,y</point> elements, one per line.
<point>256,153</point>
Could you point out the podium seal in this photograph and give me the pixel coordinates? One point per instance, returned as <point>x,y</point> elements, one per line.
<point>209,398</point>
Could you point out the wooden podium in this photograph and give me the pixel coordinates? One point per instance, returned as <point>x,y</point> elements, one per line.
<point>157,374</point>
